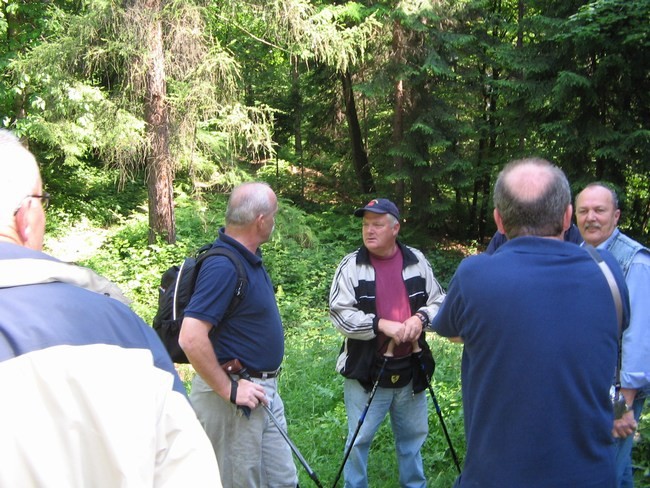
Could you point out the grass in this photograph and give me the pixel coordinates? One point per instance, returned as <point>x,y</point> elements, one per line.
<point>301,260</point>
<point>313,394</point>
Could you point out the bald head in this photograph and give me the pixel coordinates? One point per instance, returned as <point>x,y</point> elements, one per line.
<point>531,197</point>
<point>248,201</point>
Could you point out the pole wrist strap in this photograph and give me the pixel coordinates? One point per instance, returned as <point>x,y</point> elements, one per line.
<point>233,391</point>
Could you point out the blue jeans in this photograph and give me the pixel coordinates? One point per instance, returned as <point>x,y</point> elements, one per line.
<point>408,416</point>
<point>623,448</point>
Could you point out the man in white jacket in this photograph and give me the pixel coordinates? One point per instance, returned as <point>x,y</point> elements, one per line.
<point>89,394</point>
<point>382,299</point>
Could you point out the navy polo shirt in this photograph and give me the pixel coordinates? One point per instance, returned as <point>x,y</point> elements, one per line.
<point>253,333</point>
<point>540,346</point>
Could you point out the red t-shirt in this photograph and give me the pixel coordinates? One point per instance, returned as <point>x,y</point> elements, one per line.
<point>391,298</point>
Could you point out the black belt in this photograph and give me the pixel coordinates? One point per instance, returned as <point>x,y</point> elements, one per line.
<point>264,374</point>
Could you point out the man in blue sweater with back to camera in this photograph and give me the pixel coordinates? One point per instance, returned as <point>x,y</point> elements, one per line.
<point>539,327</point>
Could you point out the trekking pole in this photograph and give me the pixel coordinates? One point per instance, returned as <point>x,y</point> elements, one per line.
<point>244,374</point>
<point>387,355</point>
<point>444,428</point>
<point>416,353</point>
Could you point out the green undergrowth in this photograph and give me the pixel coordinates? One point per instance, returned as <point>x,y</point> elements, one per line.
<point>301,259</point>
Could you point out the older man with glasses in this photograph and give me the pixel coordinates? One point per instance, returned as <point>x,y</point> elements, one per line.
<point>90,396</point>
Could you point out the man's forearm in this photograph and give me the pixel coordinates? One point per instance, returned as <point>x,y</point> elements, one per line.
<point>195,342</point>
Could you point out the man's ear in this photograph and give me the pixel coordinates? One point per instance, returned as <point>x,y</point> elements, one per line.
<point>23,227</point>
<point>568,214</point>
<point>499,221</point>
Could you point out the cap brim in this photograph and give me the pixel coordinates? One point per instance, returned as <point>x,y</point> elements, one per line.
<point>360,211</point>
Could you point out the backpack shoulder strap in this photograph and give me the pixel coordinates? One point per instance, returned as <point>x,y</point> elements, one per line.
<point>242,278</point>
<point>618,303</point>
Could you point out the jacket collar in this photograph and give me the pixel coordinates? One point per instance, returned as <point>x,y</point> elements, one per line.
<point>363,255</point>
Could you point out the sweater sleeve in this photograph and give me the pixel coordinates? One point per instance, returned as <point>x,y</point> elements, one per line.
<point>348,319</point>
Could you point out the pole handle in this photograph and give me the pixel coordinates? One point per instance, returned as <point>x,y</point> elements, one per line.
<point>246,375</point>
<point>389,349</point>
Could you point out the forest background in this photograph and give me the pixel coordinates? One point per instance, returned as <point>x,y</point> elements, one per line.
<point>145,113</point>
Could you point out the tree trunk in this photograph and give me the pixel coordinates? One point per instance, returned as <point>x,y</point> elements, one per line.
<point>296,103</point>
<point>421,186</point>
<point>297,107</point>
<point>398,113</point>
<point>521,10</point>
<point>359,155</point>
<point>160,173</point>
<point>486,178</point>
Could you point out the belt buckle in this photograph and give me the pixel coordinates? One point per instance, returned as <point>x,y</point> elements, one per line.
<point>269,374</point>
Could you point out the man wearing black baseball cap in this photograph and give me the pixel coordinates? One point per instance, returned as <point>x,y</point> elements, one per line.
<point>382,299</point>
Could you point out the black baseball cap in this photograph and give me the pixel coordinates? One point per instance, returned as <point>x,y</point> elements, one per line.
<point>379,206</point>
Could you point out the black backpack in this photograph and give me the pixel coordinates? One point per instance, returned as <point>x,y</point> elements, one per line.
<point>176,288</point>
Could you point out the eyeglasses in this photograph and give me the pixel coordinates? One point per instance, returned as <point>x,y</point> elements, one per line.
<point>45,200</point>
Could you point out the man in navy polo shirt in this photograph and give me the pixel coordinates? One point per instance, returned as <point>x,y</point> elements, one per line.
<point>250,450</point>
<point>539,327</point>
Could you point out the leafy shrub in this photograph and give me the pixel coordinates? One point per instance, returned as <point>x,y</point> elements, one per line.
<point>301,258</point>
<point>88,192</point>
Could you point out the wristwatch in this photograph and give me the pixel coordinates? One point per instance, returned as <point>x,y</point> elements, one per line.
<point>423,318</point>
<point>621,408</point>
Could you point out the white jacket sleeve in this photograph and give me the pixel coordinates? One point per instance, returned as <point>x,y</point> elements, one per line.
<point>346,317</point>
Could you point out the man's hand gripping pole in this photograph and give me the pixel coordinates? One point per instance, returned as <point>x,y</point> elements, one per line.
<point>237,368</point>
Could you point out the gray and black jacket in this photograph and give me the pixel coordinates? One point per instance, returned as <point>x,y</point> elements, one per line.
<point>353,312</point>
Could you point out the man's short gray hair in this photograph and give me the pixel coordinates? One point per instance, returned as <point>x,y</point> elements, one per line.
<point>392,220</point>
<point>537,210</point>
<point>18,173</point>
<point>247,201</point>
<point>606,186</point>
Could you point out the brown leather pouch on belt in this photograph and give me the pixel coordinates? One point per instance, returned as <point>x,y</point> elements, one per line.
<point>233,366</point>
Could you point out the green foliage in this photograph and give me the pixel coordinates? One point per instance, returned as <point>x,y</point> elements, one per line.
<point>641,452</point>
<point>483,82</point>
<point>282,175</point>
<point>87,192</point>
<point>23,26</point>
<point>78,94</point>
<point>313,395</point>
<point>127,243</point>
<point>301,259</point>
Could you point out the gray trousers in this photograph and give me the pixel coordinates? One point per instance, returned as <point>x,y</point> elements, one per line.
<point>250,451</point>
